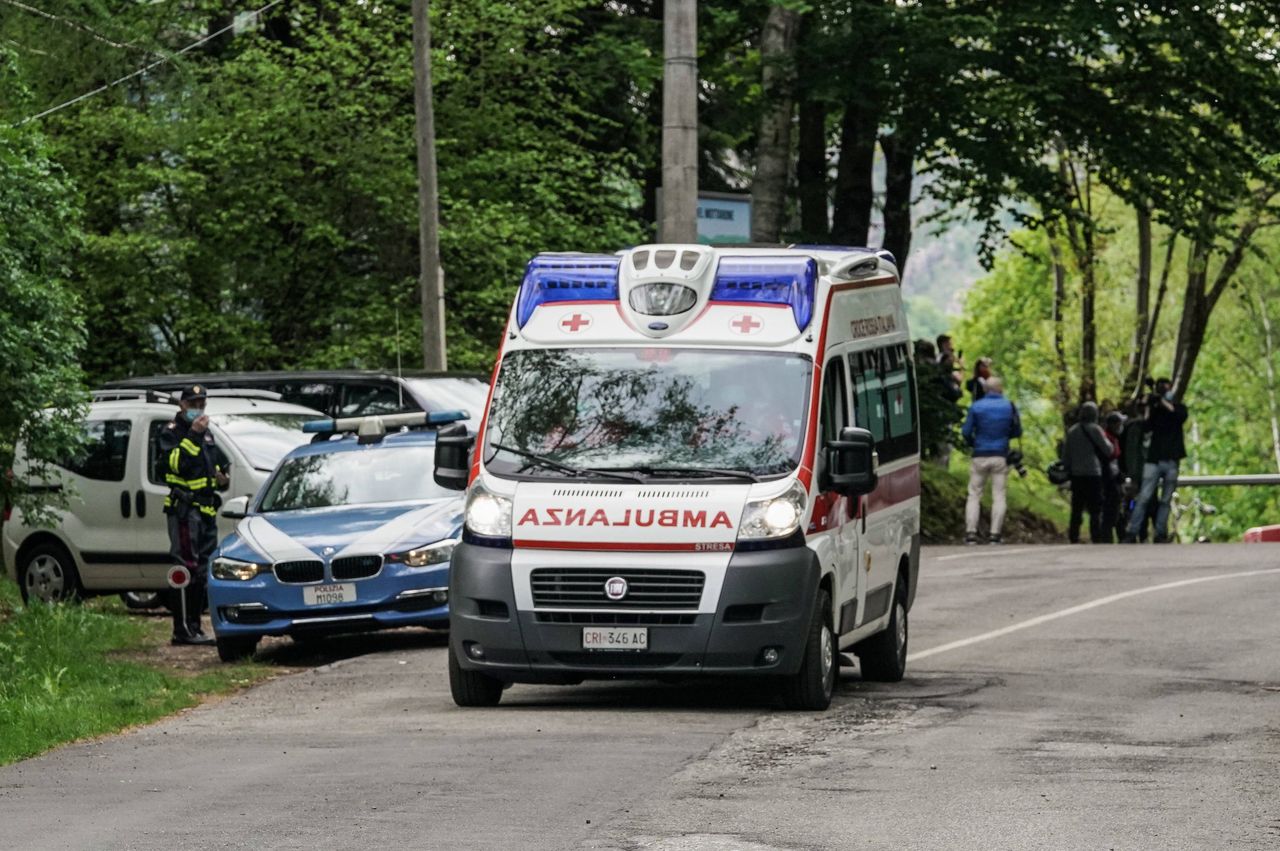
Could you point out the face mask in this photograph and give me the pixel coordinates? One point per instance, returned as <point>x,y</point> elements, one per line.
<point>1168,397</point>
<point>192,414</point>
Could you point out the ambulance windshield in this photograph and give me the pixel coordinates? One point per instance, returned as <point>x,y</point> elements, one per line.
<point>668,409</point>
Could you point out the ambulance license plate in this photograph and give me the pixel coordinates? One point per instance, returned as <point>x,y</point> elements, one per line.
<point>615,638</point>
<point>327,595</point>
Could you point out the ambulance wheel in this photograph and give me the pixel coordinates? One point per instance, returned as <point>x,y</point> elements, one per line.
<point>234,648</point>
<point>47,573</point>
<point>883,656</point>
<point>811,687</point>
<point>472,688</point>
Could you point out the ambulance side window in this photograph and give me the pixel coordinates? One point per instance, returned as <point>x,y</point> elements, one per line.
<point>835,404</point>
<point>868,394</point>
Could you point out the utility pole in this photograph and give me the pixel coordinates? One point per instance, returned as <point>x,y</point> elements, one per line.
<point>431,275</point>
<point>677,220</point>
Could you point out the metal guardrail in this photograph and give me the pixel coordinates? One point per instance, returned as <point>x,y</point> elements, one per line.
<point>1226,481</point>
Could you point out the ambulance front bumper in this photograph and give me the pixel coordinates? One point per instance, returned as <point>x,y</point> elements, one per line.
<point>766,604</point>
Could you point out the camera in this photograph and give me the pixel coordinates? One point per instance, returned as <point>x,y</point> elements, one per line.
<point>1016,461</point>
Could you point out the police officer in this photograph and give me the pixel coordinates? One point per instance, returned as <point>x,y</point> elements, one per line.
<point>195,470</point>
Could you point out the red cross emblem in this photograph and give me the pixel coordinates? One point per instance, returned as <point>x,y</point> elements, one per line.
<point>746,324</point>
<point>573,323</point>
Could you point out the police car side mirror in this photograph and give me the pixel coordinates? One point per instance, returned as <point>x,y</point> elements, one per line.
<point>236,508</point>
<point>453,456</point>
<point>852,462</point>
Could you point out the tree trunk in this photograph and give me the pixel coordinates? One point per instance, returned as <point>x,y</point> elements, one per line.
<point>851,220</point>
<point>1142,306</point>
<point>431,275</point>
<point>811,171</point>
<point>1059,326</point>
<point>1088,327</point>
<point>899,161</point>
<point>679,221</point>
<point>773,144</point>
<point>1144,356</point>
<point>1269,365</point>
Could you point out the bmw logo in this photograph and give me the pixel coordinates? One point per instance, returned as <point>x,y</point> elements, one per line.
<point>329,551</point>
<point>615,588</point>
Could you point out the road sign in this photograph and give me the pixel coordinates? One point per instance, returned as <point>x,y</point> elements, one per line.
<point>179,576</point>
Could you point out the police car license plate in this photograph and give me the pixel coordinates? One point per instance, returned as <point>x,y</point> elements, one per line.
<point>615,638</point>
<point>326,595</point>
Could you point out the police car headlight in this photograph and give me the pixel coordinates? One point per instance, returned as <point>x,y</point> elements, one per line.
<point>776,517</point>
<point>236,570</point>
<point>437,553</point>
<point>488,513</point>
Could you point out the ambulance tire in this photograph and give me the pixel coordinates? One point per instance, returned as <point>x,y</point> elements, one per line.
<point>810,688</point>
<point>236,648</point>
<point>883,656</point>
<point>472,688</point>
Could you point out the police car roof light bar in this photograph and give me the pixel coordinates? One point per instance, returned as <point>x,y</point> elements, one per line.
<point>565,278</point>
<point>769,280</point>
<point>371,424</point>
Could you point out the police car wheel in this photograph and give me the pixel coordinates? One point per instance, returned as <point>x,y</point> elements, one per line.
<point>48,574</point>
<point>812,686</point>
<point>883,656</point>
<point>234,648</point>
<point>472,688</point>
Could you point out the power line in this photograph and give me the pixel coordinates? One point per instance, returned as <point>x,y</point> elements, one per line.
<point>144,69</point>
<point>75,25</point>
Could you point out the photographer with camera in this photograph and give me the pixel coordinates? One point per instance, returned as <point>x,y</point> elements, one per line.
<point>992,422</point>
<point>1087,453</point>
<point>1163,418</point>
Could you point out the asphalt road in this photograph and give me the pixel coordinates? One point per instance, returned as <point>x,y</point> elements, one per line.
<point>1059,698</point>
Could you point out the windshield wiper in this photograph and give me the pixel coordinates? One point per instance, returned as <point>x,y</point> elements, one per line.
<point>705,472</point>
<point>580,472</point>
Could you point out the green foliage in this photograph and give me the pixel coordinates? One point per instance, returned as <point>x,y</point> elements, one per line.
<point>41,332</point>
<point>940,415</point>
<point>62,677</point>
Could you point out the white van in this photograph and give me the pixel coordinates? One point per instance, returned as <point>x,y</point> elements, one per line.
<point>113,536</point>
<point>694,460</point>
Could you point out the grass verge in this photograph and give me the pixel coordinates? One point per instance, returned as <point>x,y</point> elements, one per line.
<point>1038,512</point>
<point>77,671</point>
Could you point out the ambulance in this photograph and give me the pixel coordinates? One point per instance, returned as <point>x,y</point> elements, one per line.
<point>694,461</point>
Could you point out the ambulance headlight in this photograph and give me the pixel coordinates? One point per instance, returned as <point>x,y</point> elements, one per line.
<point>488,513</point>
<point>776,517</point>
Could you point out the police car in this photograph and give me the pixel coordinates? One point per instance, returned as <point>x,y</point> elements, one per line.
<point>349,534</point>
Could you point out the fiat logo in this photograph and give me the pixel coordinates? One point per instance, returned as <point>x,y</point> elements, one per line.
<point>615,588</point>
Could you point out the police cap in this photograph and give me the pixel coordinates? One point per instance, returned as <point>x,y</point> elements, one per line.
<point>196,392</point>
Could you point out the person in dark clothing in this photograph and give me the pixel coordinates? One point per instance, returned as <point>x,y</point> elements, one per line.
<point>1085,451</point>
<point>1163,421</point>
<point>195,470</point>
<point>1133,453</point>
<point>1113,480</point>
<point>977,386</point>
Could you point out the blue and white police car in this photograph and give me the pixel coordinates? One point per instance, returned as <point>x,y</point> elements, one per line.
<point>350,533</point>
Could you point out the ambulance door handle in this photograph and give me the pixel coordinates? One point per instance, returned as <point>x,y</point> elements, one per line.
<point>124,504</point>
<point>140,504</point>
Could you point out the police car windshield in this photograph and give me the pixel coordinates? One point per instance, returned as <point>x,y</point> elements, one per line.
<point>356,477</point>
<point>667,409</point>
<point>264,438</point>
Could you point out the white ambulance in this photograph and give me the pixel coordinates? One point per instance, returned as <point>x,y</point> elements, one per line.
<point>694,461</point>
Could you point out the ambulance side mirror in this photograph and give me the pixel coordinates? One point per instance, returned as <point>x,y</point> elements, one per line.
<point>453,456</point>
<point>852,462</point>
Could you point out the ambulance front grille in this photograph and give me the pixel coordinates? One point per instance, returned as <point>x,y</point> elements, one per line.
<point>647,588</point>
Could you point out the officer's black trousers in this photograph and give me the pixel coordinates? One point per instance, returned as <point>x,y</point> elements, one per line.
<point>193,537</point>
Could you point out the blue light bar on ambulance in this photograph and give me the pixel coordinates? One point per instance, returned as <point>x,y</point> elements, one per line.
<point>769,280</point>
<point>567,277</point>
<point>413,418</point>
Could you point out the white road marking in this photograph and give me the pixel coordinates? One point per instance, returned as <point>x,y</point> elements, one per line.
<point>1083,607</point>
<point>989,552</point>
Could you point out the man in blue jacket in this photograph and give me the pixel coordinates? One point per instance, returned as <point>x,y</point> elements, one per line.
<point>991,423</point>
